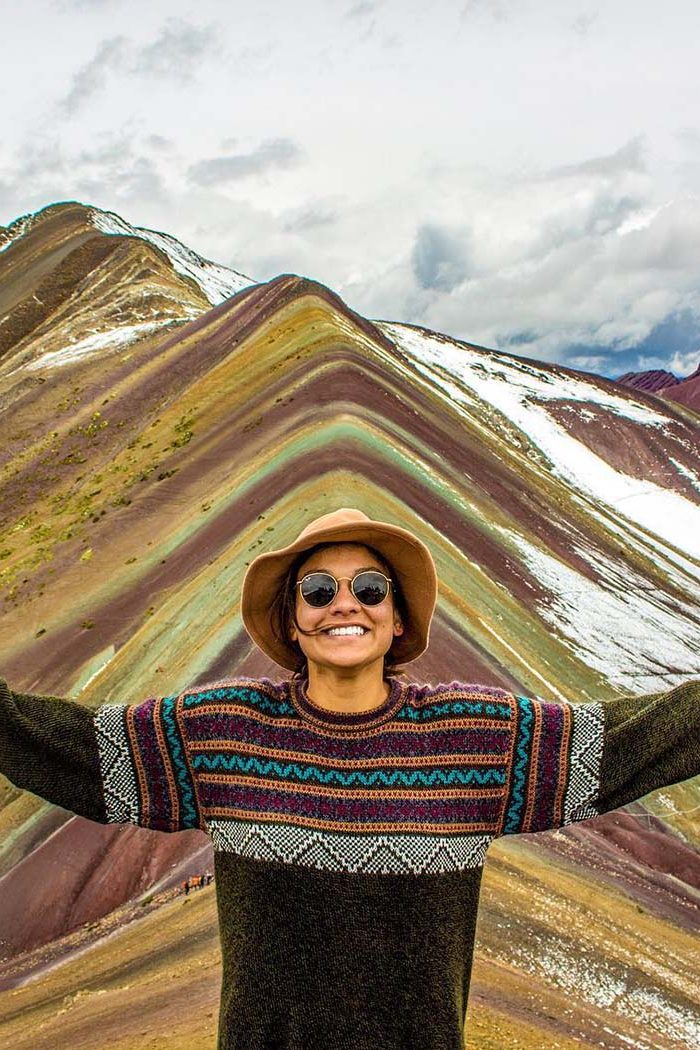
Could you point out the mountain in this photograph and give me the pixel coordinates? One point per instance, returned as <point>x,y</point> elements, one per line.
<point>653,380</point>
<point>158,432</point>
<point>658,381</point>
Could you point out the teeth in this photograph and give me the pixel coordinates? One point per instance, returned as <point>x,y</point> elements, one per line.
<point>346,630</point>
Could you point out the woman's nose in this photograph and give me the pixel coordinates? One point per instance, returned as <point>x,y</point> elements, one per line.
<point>344,597</point>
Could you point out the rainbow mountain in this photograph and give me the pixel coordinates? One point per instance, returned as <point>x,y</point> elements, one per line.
<point>164,418</point>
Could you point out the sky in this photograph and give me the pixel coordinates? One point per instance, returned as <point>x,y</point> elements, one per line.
<point>521,174</point>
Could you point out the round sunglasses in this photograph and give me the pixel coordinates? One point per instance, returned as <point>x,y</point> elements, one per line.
<point>318,589</point>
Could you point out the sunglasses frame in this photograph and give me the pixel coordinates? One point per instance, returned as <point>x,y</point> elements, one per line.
<point>338,580</point>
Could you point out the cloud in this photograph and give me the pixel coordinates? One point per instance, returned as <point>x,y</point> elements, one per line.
<point>684,364</point>
<point>669,241</point>
<point>159,142</point>
<point>365,7</point>
<point>110,57</point>
<point>439,258</point>
<point>689,137</point>
<point>67,5</point>
<point>175,54</point>
<point>588,362</point>
<point>628,158</point>
<point>112,172</point>
<point>310,217</point>
<point>583,270</point>
<point>272,153</point>
<point>584,22</point>
<point>496,9</point>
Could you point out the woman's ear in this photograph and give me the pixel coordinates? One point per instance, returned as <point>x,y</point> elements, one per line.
<point>398,627</point>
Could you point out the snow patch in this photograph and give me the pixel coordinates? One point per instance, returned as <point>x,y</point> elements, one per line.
<point>618,625</point>
<point>15,230</point>
<point>686,472</point>
<point>520,391</point>
<point>216,282</point>
<point>592,981</point>
<point>116,337</point>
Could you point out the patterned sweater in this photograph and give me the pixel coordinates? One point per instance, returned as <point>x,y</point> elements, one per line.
<point>348,847</point>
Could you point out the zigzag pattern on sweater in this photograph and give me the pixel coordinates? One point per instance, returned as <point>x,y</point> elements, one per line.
<point>369,854</point>
<point>293,771</point>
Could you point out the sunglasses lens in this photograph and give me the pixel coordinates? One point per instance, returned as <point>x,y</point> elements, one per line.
<point>318,589</point>
<point>370,588</point>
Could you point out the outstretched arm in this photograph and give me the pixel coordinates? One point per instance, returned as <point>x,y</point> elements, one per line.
<point>649,742</point>
<point>116,764</point>
<point>48,747</point>
<point>570,762</point>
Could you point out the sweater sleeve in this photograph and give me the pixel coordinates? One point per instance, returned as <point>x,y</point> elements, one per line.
<point>119,763</point>
<point>48,746</point>
<point>570,762</point>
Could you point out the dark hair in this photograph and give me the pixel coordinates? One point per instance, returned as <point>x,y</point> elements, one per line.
<point>283,609</point>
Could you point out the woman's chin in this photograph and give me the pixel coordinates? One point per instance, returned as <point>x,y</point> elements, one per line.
<point>343,660</point>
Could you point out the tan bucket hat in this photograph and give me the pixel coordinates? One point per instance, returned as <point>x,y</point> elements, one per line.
<point>410,559</point>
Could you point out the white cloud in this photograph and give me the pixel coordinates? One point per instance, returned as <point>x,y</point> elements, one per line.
<point>520,174</point>
<point>684,364</point>
<point>272,153</point>
<point>174,54</point>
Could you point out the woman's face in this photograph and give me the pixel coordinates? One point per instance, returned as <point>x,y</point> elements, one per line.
<point>380,623</point>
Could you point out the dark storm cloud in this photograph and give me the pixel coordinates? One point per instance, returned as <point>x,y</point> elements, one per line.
<point>272,153</point>
<point>439,258</point>
<point>175,54</point>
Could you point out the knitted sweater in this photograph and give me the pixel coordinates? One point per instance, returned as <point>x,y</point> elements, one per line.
<point>348,847</point>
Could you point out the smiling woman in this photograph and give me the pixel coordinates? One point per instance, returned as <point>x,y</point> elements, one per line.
<point>350,810</point>
<point>333,612</point>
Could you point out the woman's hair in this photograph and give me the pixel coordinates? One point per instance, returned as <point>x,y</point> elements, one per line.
<point>283,610</point>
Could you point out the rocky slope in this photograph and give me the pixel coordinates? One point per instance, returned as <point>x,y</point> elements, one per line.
<point>154,443</point>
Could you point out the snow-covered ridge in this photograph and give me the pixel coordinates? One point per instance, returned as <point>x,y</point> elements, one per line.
<point>217,282</point>
<point>10,234</point>
<point>116,337</point>
<point>520,391</point>
<point>485,370</point>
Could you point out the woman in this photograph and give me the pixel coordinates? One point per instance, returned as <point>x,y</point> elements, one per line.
<point>350,811</point>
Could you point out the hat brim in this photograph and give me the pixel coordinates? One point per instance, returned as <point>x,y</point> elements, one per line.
<point>410,560</point>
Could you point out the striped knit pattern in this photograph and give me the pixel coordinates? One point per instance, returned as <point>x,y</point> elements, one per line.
<point>145,772</point>
<point>423,787</point>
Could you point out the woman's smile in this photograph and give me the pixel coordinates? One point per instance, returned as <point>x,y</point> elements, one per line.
<point>347,631</point>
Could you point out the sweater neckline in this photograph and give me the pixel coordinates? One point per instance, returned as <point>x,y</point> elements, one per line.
<point>346,720</point>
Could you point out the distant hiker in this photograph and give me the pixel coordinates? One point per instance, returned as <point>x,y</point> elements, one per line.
<point>350,810</point>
